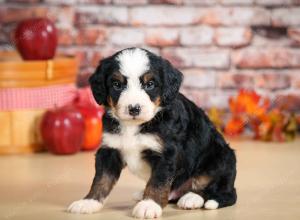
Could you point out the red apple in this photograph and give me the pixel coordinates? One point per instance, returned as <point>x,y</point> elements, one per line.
<point>62,130</point>
<point>36,39</point>
<point>92,115</point>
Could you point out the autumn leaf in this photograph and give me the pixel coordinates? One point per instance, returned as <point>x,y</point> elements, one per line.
<point>235,126</point>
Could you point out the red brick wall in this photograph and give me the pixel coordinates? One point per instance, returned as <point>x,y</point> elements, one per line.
<point>221,45</point>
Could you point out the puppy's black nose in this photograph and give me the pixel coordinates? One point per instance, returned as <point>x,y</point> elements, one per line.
<point>134,110</point>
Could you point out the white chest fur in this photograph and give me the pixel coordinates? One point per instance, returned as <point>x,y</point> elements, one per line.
<point>131,143</point>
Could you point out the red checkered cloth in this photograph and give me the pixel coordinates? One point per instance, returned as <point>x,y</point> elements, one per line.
<point>36,98</point>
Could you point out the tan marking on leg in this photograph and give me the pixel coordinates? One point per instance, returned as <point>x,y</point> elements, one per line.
<point>181,190</point>
<point>101,187</point>
<point>159,194</point>
<point>200,182</point>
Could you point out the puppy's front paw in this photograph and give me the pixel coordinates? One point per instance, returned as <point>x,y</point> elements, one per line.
<point>190,200</point>
<point>147,209</point>
<point>85,206</point>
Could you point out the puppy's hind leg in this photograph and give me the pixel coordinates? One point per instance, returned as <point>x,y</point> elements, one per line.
<point>219,199</point>
<point>221,193</point>
<point>194,199</point>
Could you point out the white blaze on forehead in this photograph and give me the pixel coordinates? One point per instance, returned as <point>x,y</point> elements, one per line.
<point>133,62</point>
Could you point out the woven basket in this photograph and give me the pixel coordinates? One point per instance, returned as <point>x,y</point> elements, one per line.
<point>27,90</point>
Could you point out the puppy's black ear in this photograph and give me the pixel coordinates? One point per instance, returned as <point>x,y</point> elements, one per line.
<point>98,82</point>
<point>172,78</point>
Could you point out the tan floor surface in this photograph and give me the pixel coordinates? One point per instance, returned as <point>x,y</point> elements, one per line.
<point>41,186</point>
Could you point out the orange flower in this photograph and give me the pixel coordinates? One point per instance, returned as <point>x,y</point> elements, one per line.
<point>249,102</point>
<point>235,126</point>
<point>247,105</point>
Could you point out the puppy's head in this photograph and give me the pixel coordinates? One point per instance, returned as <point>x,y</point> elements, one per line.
<point>134,84</point>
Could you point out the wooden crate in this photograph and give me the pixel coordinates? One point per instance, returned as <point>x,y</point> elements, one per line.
<point>15,73</point>
<point>20,131</point>
<point>20,127</point>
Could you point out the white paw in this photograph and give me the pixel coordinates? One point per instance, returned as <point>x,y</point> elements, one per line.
<point>138,196</point>
<point>85,206</point>
<point>190,200</point>
<point>147,209</point>
<point>211,204</point>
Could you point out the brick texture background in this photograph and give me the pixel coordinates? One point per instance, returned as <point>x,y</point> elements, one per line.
<point>220,45</point>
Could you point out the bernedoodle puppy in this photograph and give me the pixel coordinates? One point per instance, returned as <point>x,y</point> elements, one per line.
<point>160,135</point>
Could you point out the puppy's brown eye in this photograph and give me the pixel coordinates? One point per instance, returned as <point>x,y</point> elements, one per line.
<point>149,85</point>
<point>117,85</point>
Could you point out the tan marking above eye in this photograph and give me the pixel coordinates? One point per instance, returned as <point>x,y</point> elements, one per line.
<point>147,77</point>
<point>118,76</point>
